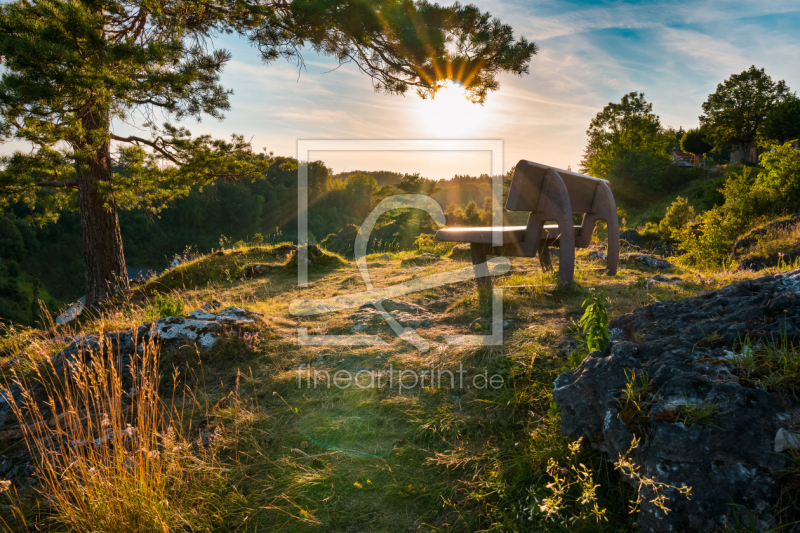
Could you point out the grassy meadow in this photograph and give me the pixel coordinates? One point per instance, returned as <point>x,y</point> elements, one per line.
<point>239,439</point>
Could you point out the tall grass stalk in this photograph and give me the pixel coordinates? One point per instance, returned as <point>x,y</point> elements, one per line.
<point>110,454</point>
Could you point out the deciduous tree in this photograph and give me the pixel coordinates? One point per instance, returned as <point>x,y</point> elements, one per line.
<point>735,113</point>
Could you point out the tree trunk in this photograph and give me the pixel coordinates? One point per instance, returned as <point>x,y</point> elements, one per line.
<point>102,241</point>
<point>749,150</point>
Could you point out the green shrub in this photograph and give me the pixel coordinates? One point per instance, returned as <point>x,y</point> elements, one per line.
<point>706,245</point>
<point>679,213</point>
<point>650,233</point>
<point>427,242</point>
<point>773,190</point>
<point>165,305</point>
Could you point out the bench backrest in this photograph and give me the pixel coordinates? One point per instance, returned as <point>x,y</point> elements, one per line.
<point>529,177</point>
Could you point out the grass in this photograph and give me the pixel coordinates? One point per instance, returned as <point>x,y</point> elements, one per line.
<point>696,413</point>
<point>286,456</point>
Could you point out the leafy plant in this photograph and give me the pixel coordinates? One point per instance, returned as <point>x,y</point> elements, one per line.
<point>679,213</point>
<point>595,320</point>
<point>165,305</point>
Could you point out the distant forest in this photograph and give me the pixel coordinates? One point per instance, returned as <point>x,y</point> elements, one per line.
<point>212,217</point>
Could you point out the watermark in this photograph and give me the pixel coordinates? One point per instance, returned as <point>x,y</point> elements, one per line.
<point>391,379</point>
<point>377,295</point>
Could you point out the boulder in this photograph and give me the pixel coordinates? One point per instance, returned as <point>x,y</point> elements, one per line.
<point>406,314</point>
<point>646,261</point>
<point>632,237</point>
<point>200,328</point>
<point>422,259</point>
<point>660,278</point>
<point>688,351</point>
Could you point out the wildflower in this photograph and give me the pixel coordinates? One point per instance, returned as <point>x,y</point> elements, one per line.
<point>104,422</point>
<point>5,485</point>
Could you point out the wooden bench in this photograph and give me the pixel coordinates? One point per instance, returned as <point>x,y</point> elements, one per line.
<point>549,194</point>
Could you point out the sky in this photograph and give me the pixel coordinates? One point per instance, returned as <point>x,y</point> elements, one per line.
<point>590,53</point>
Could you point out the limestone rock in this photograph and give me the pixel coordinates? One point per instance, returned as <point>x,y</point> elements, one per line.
<point>644,260</point>
<point>660,278</point>
<point>733,459</point>
<point>786,440</point>
<point>406,314</point>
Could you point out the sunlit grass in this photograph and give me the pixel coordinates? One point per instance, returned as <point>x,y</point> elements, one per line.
<point>305,459</point>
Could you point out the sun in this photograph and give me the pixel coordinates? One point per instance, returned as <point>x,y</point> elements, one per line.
<point>450,114</point>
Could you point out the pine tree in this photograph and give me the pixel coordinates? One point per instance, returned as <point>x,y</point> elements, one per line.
<point>73,68</point>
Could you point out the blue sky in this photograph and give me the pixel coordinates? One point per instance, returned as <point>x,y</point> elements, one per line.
<point>590,53</point>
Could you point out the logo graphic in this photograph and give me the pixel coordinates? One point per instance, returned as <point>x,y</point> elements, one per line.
<point>377,296</point>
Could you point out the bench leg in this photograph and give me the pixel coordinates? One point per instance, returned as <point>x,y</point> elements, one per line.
<point>544,257</point>
<point>478,251</point>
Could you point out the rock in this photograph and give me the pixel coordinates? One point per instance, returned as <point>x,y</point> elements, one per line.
<point>632,237</point>
<point>644,260</point>
<point>383,257</point>
<point>597,254</point>
<point>758,262</point>
<point>687,349</point>
<point>461,251</point>
<point>211,306</point>
<point>660,278</point>
<point>751,238</point>
<point>422,259</point>
<point>256,270</point>
<point>315,257</point>
<point>406,314</point>
<point>786,440</point>
<point>567,346</point>
<point>198,327</point>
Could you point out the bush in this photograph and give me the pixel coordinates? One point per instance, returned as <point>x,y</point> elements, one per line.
<point>165,305</point>
<point>706,245</point>
<point>679,213</point>
<point>774,190</point>
<point>427,242</point>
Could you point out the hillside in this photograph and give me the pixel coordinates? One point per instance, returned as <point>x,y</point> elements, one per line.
<point>265,450</point>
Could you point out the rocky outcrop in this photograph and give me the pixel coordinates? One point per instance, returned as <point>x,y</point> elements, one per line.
<point>646,261</point>
<point>406,314</point>
<point>752,237</point>
<point>422,259</point>
<point>200,328</point>
<point>687,352</point>
<point>631,237</point>
<point>757,263</point>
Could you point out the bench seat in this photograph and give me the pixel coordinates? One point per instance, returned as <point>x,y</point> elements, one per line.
<point>511,234</point>
<point>548,195</point>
